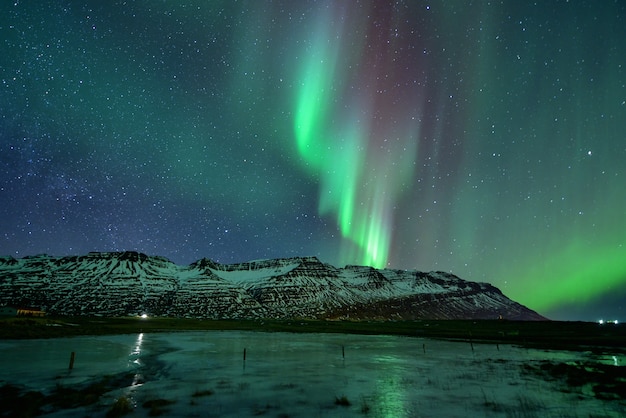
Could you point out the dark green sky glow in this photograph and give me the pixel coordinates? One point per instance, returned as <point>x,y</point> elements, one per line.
<point>483,138</point>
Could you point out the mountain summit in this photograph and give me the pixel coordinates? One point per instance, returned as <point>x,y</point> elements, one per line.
<point>131,283</point>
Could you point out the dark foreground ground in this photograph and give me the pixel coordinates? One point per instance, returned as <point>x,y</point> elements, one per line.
<point>548,334</point>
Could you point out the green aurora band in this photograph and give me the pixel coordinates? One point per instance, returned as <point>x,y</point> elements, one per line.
<point>361,172</point>
<point>508,186</point>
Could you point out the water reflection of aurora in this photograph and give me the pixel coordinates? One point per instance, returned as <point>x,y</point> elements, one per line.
<point>302,375</point>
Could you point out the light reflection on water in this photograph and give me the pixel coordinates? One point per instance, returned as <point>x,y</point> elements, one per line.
<point>136,352</point>
<point>135,357</point>
<point>391,396</point>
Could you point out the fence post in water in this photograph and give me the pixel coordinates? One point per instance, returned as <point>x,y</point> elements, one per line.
<point>72,356</point>
<point>424,348</point>
<point>343,352</point>
<point>244,355</point>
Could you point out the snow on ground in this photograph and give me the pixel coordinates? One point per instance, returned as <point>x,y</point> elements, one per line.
<point>304,375</point>
<point>245,276</point>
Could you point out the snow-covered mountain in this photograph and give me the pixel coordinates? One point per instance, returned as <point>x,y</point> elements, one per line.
<point>130,283</point>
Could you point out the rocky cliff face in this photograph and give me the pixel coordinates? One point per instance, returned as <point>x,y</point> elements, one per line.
<point>130,283</point>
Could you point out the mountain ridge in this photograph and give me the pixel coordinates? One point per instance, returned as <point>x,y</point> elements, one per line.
<point>133,283</point>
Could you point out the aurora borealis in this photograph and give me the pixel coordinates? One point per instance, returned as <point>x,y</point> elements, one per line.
<point>484,138</point>
<point>350,129</point>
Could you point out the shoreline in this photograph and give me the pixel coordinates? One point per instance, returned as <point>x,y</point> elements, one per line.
<point>546,334</point>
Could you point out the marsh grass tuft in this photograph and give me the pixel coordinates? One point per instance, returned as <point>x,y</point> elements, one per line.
<point>365,408</point>
<point>15,403</point>
<point>494,406</point>
<point>31,403</point>
<point>200,393</point>
<point>608,382</point>
<point>343,401</point>
<point>121,406</point>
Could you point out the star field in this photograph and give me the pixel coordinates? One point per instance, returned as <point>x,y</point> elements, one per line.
<point>484,138</point>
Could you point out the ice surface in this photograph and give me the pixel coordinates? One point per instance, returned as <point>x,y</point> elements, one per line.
<point>302,375</point>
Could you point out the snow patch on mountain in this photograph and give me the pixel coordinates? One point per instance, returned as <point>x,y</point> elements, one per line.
<point>253,274</point>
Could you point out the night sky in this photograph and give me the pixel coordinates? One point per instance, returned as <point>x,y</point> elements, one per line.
<point>483,138</point>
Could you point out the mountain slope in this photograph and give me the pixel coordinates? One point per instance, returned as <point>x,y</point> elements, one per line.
<point>130,283</point>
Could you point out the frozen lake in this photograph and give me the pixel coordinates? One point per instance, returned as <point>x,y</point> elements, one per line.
<point>302,375</point>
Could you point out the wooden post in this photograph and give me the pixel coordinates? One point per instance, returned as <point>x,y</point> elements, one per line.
<point>72,356</point>
<point>244,355</point>
<point>424,348</point>
<point>343,352</point>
